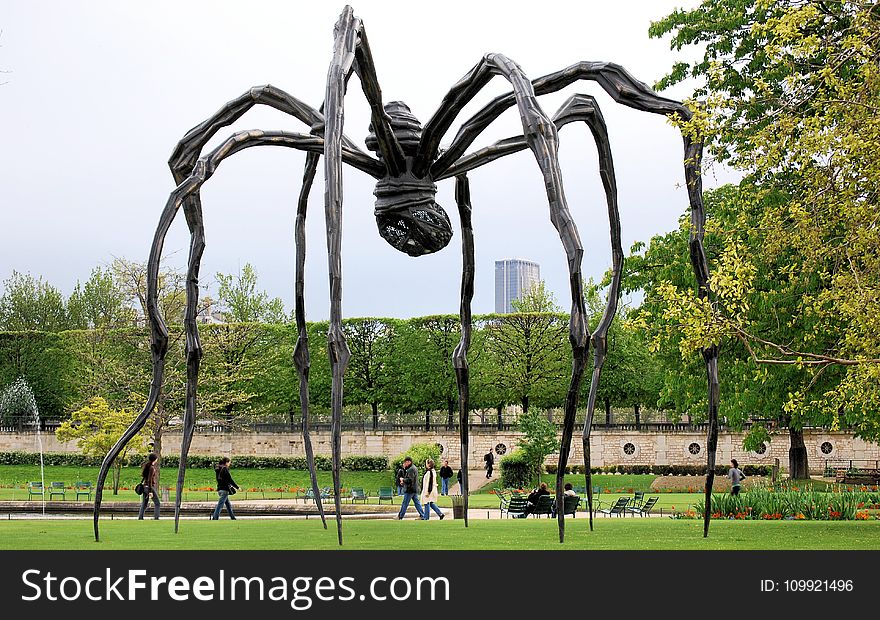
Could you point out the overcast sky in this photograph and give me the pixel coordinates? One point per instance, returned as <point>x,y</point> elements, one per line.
<point>97,94</point>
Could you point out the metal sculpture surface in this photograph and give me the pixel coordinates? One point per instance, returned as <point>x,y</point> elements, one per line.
<point>408,163</point>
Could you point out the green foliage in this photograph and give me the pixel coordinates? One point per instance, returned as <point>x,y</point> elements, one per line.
<point>540,439</point>
<point>30,304</point>
<point>45,362</point>
<point>536,300</point>
<point>531,359</point>
<point>517,470</point>
<point>790,502</point>
<point>96,428</point>
<point>241,302</point>
<point>100,303</point>
<point>365,463</point>
<point>419,453</point>
<point>791,91</point>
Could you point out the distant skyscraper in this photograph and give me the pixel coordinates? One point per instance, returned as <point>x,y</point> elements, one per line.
<point>514,277</point>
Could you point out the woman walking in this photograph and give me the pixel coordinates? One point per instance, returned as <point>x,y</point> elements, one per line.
<point>225,487</point>
<point>429,491</point>
<point>736,477</point>
<point>150,480</point>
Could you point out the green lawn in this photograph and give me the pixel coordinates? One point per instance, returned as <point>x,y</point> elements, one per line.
<point>636,534</point>
<point>14,479</point>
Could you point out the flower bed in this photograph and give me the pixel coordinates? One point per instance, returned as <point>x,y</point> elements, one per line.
<point>791,502</point>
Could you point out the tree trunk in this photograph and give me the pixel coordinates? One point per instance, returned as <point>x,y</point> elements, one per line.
<point>427,419</point>
<point>798,465</point>
<point>117,467</point>
<point>375,406</point>
<point>525,404</point>
<point>450,409</point>
<point>499,409</point>
<point>607,412</point>
<point>637,411</point>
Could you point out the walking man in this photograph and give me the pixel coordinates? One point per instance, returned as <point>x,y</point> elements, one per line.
<point>490,461</point>
<point>410,484</point>
<point>445,477</point>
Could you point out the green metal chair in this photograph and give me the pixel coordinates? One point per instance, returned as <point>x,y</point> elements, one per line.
<point>35,489</point>
<point>57,488</point>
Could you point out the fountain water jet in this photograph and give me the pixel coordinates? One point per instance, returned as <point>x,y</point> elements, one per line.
<point>17,401</point>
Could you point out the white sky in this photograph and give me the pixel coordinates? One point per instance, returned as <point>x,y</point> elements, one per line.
<point>99,93</point>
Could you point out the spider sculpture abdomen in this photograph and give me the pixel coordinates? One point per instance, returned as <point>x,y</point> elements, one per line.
<point>407,215</point>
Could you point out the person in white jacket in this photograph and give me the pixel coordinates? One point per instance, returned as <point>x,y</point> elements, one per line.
<point>430,491</point>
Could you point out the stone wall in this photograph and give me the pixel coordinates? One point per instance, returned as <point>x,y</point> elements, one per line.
<point>609,447</point>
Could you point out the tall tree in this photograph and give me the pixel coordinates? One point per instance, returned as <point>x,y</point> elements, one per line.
<point>96,428</point>
<point>131,278</point>
<point>371,342</point>
<point>531,359</point>
<point>30,304</point>
<point>242,302</point>
<point>791,92</point>
<point>100,303</point>
<point>234,351</point>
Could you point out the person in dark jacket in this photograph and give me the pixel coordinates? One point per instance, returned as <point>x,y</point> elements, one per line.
<point>410,484</point>
<point>398,476</point>
<point>490,462</point>
<point>445,476</point>
<point>534,496</point>
<point>150,480</point>
<point>224,484</point>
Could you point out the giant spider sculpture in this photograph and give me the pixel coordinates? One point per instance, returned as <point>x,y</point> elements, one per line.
<point>408,163</point>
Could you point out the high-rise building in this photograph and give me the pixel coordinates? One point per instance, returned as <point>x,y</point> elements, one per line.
<point>514,277</point>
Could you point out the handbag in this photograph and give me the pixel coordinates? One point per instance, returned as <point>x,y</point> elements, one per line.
<point>231,491</point>
<point>139,488</point>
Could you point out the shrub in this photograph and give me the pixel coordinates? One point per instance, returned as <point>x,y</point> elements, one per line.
<point>365,463</point>
<point>419,453</point>
<point>516,470</point>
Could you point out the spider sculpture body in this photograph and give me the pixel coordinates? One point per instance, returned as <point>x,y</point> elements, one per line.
<point>407,167</point>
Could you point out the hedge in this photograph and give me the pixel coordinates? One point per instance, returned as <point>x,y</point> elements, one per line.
<point>516,470</point>
<point>419,453</point>
<point>662,470</point>
<point>197,461</point>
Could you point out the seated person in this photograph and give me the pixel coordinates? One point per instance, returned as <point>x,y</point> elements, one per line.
<point>568,492</point>
<point>532,499</point>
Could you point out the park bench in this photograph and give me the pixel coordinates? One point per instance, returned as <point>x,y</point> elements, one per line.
<point>84,488</point>
<point>57,488</point>
<point>544,506</point>
<point>35,489</point>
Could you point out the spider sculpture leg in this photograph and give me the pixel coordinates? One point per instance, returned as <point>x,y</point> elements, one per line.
<point>578,108</point>
<point>626,90</point>
<point>301,352</point>
<point>541,137</point>
<point>350,53</point>
<point>182,162</point>
<point>189,187</point>
<point>462,372</point>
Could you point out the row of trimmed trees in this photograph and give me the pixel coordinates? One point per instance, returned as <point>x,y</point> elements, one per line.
<point>92,344</point>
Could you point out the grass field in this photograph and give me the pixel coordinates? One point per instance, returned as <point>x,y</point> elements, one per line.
<point>614,534</point>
